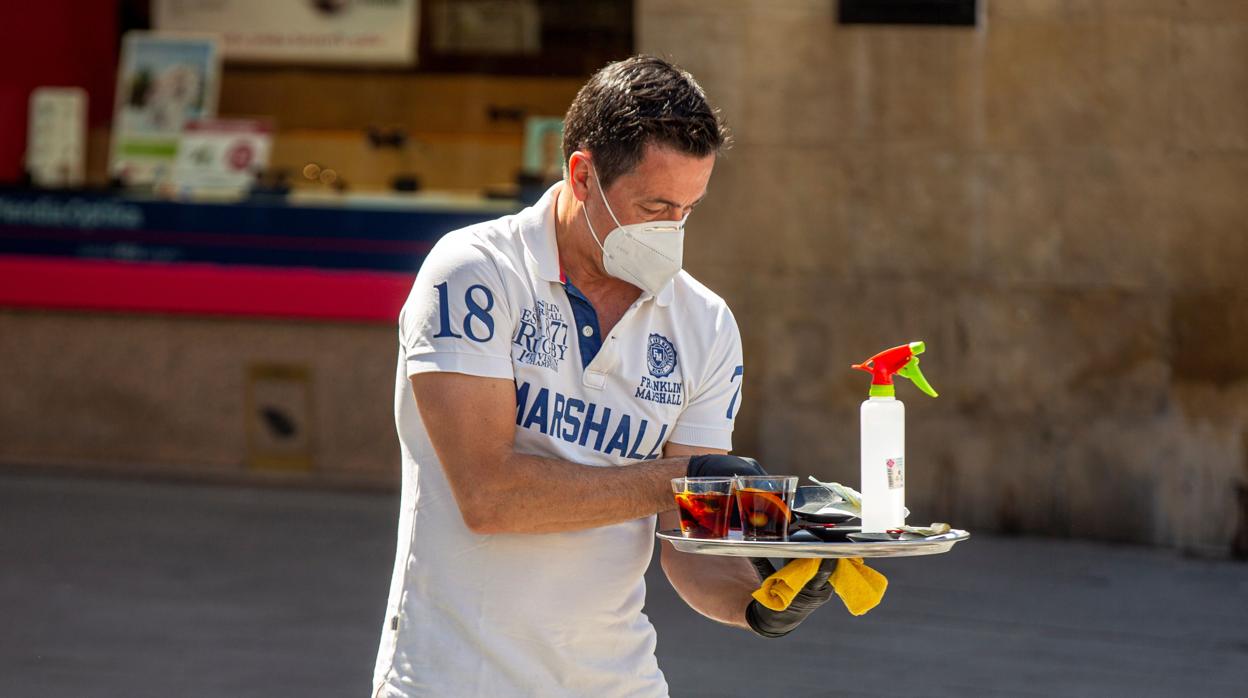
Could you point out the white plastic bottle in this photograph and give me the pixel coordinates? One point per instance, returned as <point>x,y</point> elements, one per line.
<point>884,436</point>
<point>883,464</point>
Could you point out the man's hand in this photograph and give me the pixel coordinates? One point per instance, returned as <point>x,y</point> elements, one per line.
<point>769,623</point>
<point>722,465</point>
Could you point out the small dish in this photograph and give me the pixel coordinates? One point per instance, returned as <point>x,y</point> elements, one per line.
<point>818,504</point>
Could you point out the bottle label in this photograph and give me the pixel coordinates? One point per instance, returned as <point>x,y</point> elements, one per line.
<point>896,473</point>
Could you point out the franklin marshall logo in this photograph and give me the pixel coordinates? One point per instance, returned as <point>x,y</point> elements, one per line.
<point>661,356</point>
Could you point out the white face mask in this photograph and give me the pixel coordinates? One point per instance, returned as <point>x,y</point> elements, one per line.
<point>646,255</point>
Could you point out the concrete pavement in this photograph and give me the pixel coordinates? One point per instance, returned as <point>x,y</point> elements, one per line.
<point>114,588</point>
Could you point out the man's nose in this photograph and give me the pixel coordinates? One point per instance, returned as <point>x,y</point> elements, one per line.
<point>676,214</point>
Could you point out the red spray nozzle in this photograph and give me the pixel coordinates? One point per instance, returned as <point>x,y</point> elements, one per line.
<point>901,360</point>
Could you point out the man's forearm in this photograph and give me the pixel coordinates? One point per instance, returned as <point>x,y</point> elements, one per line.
<point>546,495</point>
<point>717,587</point>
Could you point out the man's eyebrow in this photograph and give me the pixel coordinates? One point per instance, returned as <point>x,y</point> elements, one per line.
<point>673,204</point>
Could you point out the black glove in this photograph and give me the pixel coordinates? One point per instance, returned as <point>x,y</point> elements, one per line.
<point>769,623</point>
<point>717,465</point>
<point>720,465</point>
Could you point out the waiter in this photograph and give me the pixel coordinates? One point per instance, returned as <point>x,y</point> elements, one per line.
<point>556,370</point>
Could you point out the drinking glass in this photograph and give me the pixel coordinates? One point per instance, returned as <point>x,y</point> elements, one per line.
<point>766,504</point>
<point>705,505</point>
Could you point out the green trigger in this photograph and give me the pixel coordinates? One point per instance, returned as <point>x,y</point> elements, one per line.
<point>911,371</point>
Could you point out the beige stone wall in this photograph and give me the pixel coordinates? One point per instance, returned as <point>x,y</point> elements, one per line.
<point>1056,201</point>
<point>168,395</point>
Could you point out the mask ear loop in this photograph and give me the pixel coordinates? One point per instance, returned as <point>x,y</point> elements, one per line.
<point>585,210</point>
<point>603,195</point>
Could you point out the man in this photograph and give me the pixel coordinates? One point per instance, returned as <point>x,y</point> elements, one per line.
<point>557,369</point>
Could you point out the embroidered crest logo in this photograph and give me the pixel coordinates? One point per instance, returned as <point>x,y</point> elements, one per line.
<point>661,356</point>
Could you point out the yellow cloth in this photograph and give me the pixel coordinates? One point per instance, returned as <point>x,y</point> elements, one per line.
<point>859,586</point>
<point>778,590</point>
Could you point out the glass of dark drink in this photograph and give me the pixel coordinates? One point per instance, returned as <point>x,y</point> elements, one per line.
<point>766,504</point>
<point>705,505</point>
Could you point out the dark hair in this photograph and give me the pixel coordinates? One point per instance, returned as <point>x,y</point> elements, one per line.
<point>632,103</point>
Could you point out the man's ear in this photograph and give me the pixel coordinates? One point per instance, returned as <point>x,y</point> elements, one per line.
<point>578,174</point>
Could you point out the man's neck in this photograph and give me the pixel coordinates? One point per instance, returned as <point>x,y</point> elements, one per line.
<point>579,255</point>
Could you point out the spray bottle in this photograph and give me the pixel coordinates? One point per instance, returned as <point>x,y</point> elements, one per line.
<point>884,437</point>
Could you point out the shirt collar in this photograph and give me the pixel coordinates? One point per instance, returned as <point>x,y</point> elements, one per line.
<point>537,229</point>
<point>664,298</point>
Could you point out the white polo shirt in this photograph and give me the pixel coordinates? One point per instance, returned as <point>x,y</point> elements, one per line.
<point>552,614</point>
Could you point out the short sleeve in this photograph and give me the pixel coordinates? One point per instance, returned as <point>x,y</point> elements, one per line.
<point>457,317</point>
<point>708,418</point>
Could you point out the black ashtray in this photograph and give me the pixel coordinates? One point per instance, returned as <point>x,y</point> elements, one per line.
<point>821,532</point>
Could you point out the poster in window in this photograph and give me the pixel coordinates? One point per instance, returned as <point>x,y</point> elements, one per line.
<point>163,82</point>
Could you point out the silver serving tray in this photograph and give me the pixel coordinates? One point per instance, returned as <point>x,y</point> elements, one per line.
<point>735,546</point>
